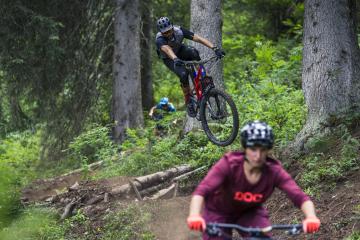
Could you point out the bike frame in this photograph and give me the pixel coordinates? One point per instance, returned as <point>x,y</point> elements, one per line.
<point>197,72</point>
<point>198,75</point>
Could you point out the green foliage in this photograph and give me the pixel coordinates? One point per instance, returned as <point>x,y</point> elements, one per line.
<point>34,224</point>
<point>77,227</point>
<point>332,156</point>
<point>276,104</point>
<point>134,138</point>
<point>8,195</point>
<point>144,152</point>
<point>92,145</point>
<point>19,155</point>
<point>256,59</point>
<point>20,151</point>
<point>264,79</point>
<point>349,153</point>
<point>166,83</point>
<point>253,17</point>
<point>354,236</point>
<point>42,224</point>
<point>357,210</point>
<point>55,68</point>
<point>177,11</point>
<point>320,144</point>
<point>127,224</point>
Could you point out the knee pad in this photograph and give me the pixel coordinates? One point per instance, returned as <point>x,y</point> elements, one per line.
<point>184,78</point>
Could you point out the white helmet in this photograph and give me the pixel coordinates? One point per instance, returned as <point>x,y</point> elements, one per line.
<point>257,133</point>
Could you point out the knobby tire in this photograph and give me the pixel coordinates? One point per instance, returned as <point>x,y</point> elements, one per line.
<point>235,117</point>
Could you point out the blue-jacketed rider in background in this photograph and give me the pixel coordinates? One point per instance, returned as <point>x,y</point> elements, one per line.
<point>163,105</point>
<point>170,48</point>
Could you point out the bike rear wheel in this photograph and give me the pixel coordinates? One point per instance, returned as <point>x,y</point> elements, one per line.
<point>219,117</point>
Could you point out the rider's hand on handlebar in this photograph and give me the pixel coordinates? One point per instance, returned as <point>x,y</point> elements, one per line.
<point>178,62</point>
<point>219,52</point>
<point>311,224</point>
<point>196,222</point>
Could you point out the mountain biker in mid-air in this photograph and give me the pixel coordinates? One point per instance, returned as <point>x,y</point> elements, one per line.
<point>170,48</point>
<point>240,182</point>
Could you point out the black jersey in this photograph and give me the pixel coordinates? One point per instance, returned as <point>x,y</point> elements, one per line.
<point>175,41</point>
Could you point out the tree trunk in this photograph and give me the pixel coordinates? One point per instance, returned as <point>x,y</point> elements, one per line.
<point>18,119</point>
<point>206,21</point>
<point>127,106</point>
<point>145,45</point>
<point>331,66</point>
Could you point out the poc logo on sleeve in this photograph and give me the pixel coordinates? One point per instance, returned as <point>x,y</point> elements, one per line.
<point>248,197</point>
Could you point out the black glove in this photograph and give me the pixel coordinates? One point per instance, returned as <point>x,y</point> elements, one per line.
<point>219,52</point>
<point>178,62</point>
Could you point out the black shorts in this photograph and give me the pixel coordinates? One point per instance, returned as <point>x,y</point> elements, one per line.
<point>185,53</point>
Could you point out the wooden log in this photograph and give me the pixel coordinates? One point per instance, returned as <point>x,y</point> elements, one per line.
<point>164,193</point>
<point>120,190</point>
<point>159,177</point>
<point>106,197</point>
<point>153,189</point>
<point>150,180</point>
<point>178,178</point>
<point>95,199</point>
<point>138,195</point>
<point>74,187</point>
<point>69,208</point>
<point>176,189</point>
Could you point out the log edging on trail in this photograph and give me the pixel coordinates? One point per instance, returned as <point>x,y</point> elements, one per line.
<point>144,182</point>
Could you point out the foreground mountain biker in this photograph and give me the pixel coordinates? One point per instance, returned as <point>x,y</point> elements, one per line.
<point>240,182</point>
<point>170,48</point>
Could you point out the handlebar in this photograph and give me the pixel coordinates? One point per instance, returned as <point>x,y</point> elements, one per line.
<point>189,63</point>
<point>214,229</point>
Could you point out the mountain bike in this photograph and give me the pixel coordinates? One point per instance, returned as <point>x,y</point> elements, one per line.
<point>217,230</point>
<point>214,108</point>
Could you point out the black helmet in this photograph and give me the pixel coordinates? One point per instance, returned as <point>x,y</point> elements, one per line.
<point>164,24</point>
<point>257,133</point>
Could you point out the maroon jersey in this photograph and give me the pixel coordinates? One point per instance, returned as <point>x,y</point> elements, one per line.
<point>227,191</point>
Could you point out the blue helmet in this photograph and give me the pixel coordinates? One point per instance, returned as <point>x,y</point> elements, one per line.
<point>164,24</point>
<point>164,101</point>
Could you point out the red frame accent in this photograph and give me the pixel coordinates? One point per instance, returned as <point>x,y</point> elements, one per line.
<point>197,83</point>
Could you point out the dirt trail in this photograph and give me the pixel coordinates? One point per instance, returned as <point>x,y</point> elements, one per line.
<point>339,209</point>
<point>168,216</point>
<point>168,219</point>
<point>40,190</point>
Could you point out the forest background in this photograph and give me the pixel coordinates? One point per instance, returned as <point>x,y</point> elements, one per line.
<point>56,112</point>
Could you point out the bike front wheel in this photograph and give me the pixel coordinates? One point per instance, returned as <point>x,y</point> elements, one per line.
<point>219,117</point>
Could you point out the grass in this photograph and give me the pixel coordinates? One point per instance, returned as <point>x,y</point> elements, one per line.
<point>330,159</point>
<point>354,236</point>
<point>43,224</point>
